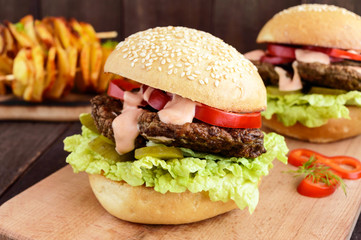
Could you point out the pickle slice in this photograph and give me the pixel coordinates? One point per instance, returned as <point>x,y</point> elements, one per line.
<point>161,152</point>
<point>106,148</point>
<point>87,120</point>
<point>327,91</point>
<point>276,91</point>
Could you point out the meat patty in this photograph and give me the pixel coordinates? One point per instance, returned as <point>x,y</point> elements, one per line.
<point>104,110</point>
<point>202,137</point>
<point>339,75</point>
<point>332,76</point>
<point>198,136</point>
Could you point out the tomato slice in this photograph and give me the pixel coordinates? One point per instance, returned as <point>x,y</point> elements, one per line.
<point>221,118</point>
<point>339,53</point>
<point>281,51</point>
<point>117,87</point>
<point>316,189</point>
<point>275,60</point>
<point>158,99</point>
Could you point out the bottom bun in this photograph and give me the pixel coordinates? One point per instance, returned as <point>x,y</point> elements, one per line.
<point>333,130</point>
<point>144,205</point>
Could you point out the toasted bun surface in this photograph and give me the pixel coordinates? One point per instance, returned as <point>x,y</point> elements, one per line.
<point>144,205</point>
<point>314,24</point>
<point>335,129</point>
<point>192,64</point>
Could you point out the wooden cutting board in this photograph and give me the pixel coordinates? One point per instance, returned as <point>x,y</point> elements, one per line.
<point>66,109</point>
<point>62,206</point>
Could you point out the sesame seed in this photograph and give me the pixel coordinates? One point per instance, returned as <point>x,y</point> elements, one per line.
<point>160,69</point>
<point>182,74</point>
<point>170,72</point>
<point>190,77</point>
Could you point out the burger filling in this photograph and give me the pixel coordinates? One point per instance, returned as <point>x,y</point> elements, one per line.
<point>133,136</point>
<point>308,84</point>
<point>199,136</point>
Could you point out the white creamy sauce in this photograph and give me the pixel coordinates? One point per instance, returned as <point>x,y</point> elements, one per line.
<point>254,55</point>
<point>178,111</point>
<point>125,126</point>
<point>285,83</point>
<point>309,56</point>
<point>147,93</point>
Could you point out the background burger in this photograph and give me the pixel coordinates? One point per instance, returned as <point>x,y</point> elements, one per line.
<point>312,72</point>
<point>179,141</point>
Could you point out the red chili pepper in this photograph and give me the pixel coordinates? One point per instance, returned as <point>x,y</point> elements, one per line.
<point>298,157</point>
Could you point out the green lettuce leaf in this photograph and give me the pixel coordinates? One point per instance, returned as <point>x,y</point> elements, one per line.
<point>223,178</point>
<point>311,110</point>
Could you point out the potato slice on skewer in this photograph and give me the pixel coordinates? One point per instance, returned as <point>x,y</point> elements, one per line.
<point>39,78</point>
<point>95,64</point>
<point>72,54</point>
<point>83,81</point>
<point>45,37</point>
<point>28,23</point>
<point>2,39</point>
<point>22,73</point>
<point>62,32</point>
<point>19,34</point>
<point>50,69</point>
<point>105,78</point>
<point>63,75</point>
<point>6,64</point>
<point>89,31</point>
<point>10,46</point>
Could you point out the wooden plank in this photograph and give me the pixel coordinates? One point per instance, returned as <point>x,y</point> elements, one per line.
<point>51,160</point>
<point>14,10</point>
<point>30,140</point>
<point>105,15</point>
<point>65,207</point>
<point>238,22</point>
<point>64,109</point>
<point>143,14</point>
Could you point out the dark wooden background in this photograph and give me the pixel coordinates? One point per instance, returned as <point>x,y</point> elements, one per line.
<point>237,22</point>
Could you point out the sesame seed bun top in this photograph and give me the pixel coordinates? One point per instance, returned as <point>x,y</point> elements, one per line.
<point>192,64</point>
<point>314,24</point>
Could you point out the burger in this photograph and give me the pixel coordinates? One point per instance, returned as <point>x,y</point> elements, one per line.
<point>312,70</point>
<point>177,138</point>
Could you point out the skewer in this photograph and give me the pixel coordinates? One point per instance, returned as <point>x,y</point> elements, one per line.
<point>9,77</point>
<point>109,34</point>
